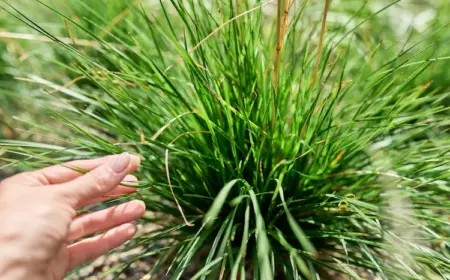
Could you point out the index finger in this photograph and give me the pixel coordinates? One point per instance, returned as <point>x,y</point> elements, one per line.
<point>69,171</point>
<point>97,182</point>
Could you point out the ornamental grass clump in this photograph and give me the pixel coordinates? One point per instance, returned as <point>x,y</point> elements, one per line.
<point>275,143</point>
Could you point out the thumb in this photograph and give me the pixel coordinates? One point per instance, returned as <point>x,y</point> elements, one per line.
<point>99,181</point>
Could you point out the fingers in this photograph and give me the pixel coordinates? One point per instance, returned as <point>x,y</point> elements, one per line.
<point>65,172</point>
<point>118,191</point>
<point>105,219</point>
<point>91,248</point>
<point>97,182</point>
<point>69,171</point>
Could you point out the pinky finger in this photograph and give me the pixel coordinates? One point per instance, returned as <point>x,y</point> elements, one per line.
<point>91,248</point>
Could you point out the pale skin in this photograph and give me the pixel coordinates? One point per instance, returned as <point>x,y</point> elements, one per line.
<point>41,235</point>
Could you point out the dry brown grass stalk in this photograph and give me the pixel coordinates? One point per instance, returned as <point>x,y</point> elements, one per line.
<point>319,48</point>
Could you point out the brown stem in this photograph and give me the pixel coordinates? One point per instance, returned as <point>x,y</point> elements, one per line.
<point>118,19</point>
<point>70,34</point>
<point>285,25</point>
<point>68,41</point>
<point>69,83</point>
<point>279,45</point>
<point>282,27</point>
<point>319,48</point>
<point>276,69</point>
<point>281,32</point>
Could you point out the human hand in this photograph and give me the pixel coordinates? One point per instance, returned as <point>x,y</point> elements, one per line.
<point>38,222</point>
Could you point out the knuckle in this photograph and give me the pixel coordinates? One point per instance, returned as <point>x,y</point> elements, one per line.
<point>46,210</point>
<point>89,220</point>
<point>40,178</point>
<point>31,176</point>
<point>101,179</point>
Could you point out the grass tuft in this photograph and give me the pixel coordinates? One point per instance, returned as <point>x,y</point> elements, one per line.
<point>327,158</point>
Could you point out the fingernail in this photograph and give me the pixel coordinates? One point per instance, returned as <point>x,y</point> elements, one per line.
<point>135,160</point>
<point>130,180</point>
<point>138,207</point>
<point>130,228</point>
<point>120,163</point>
